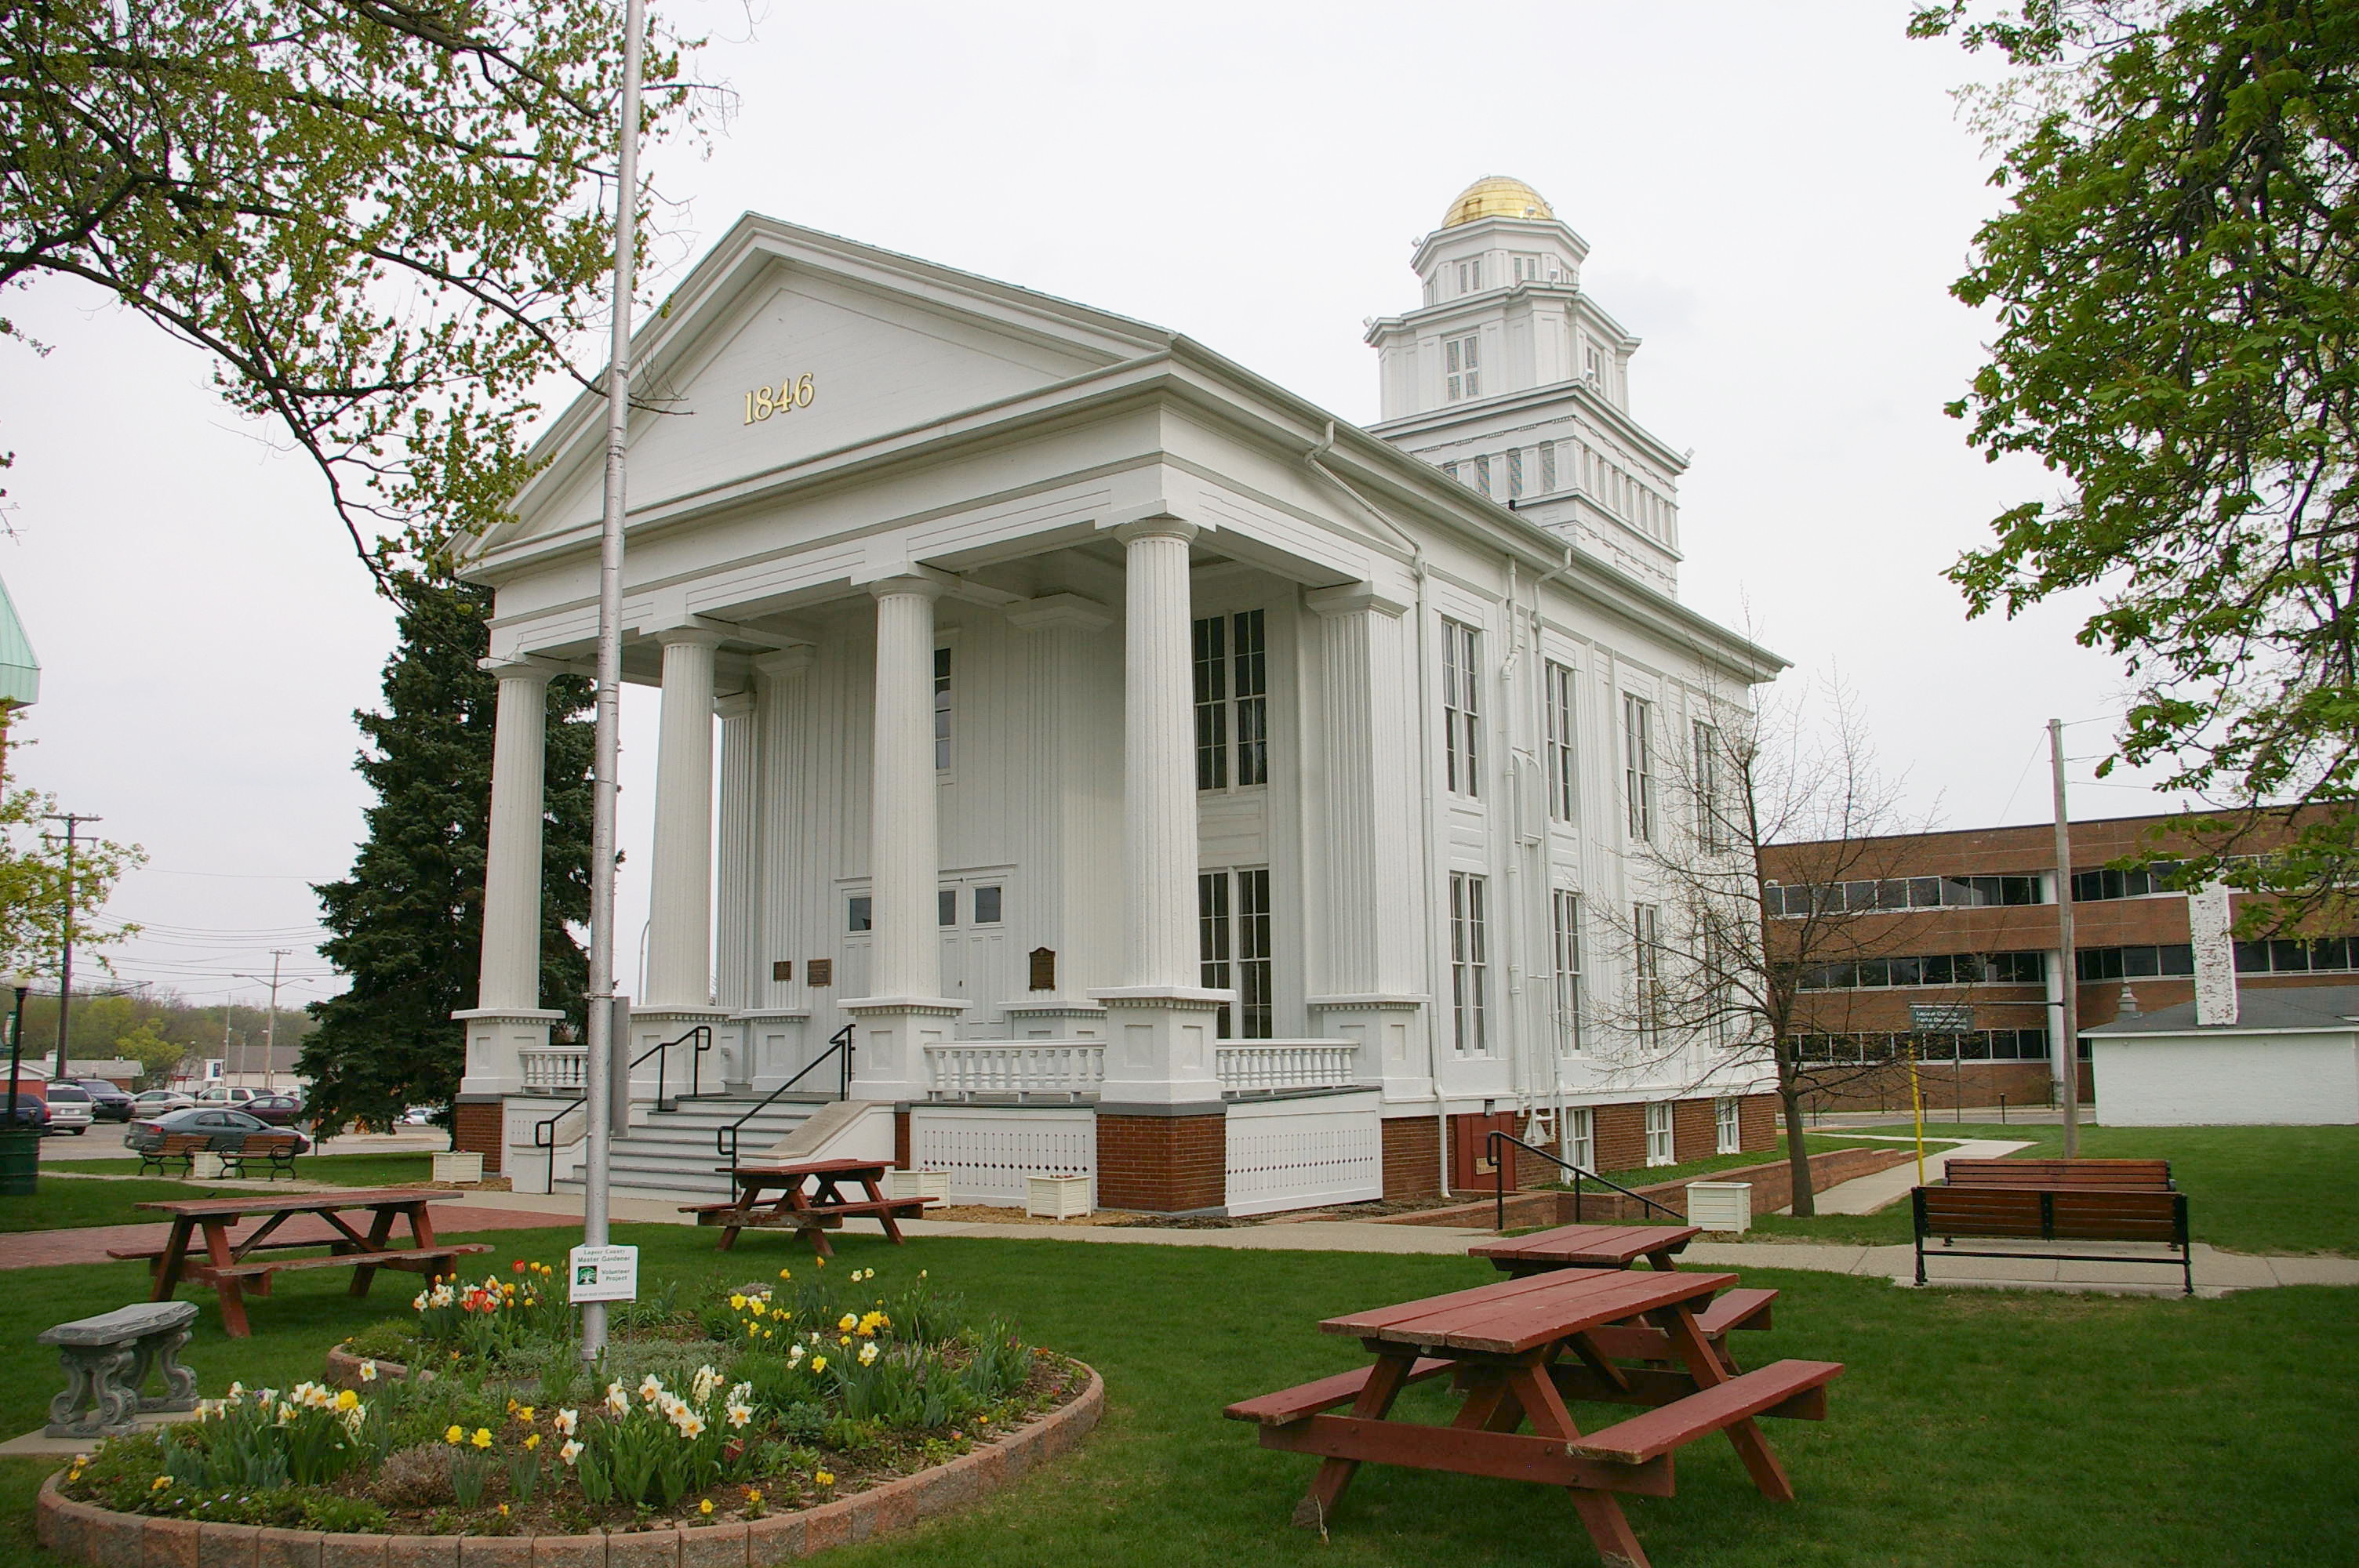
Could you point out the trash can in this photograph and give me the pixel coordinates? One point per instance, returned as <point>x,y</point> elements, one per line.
<point>20,1162</point>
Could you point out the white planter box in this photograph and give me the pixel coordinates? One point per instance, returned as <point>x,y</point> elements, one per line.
<point>1057,1197</point>
<point>1721,1206</point>
<point>934,1184</point>
<point>458,1168</point>
<point>205,1167</point>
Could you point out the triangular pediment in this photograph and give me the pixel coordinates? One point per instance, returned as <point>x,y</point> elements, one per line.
<point>785,345</point>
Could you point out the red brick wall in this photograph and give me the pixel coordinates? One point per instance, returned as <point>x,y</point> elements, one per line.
<point>901,1139</point>
<point>479,1127</point>
<point>1757,1121</point>
<point>1695,1132</point>
<point>1942,1085</point>
<point>1412,1156</point>
<point>1621,1135</point>
<point>1162,1164</point>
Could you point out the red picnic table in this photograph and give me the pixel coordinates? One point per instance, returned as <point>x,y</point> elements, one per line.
<point>1526,1350</point>
<point>1588,1247</point>
<point>814,1212</point>
<point>228,1264</point>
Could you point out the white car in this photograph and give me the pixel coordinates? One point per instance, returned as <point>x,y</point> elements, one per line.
<point>226,1094</point>
<point>71,1108</point>
<point>153,1103</point>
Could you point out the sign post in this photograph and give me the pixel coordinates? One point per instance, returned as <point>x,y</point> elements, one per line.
<point>1955,1020</point>
<point>603,1274</point>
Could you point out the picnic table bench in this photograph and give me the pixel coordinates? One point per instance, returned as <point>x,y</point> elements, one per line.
<point>226,1262</point>
<point>2031,1213</point>
<point>823,1208</point>
<point>2060,1176</point>
<point>1524,1350</point>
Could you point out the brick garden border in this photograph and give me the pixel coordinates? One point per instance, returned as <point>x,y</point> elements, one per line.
<point>84,1532</point>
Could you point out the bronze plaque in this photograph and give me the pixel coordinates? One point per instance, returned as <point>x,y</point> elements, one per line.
<point>782,968</point>
<point>819,971</point>
<point>1044,968</point>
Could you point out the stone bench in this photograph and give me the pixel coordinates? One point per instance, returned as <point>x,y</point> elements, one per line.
<point>107,1359</point>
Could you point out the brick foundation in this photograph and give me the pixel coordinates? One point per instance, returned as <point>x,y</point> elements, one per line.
<point>901,1142</point>
<point>479,1126</point>
<point>1412,1156</point>
<point>1772,1190</point>
<point>1412,1159</point>
<point>1163,1164</point>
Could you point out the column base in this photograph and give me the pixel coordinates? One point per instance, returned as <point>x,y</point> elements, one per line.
<point>1160,1042</point>
<point>889,1036</point>
<point>497,1038</point>
<point>1163,1159</point>
<point>1388,1031</point>
<point>677,1072</point>
<point>777,1047</point>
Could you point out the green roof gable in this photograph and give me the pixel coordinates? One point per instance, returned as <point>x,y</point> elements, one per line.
<point>20,668</point>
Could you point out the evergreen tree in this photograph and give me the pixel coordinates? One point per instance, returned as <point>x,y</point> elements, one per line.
<point>408,921</point>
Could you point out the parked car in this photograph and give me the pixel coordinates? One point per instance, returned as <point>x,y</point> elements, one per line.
<point>225,1093</point>
<point>157,1102</point>
<point>221,1127</point>
<point>71,1108</point>
<point>280,1110</point>
<point>107,1102</point>
<point>31,1111</point>
<point>421,1115</point>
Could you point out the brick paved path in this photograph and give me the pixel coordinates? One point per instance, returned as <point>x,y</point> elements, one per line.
<point>48,1249</point>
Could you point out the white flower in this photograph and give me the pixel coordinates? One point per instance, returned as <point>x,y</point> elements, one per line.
<point>706,1380</point>
<point>570,1452</point>
<point>617,1401</point>
<point>794,1354</point>
<point>651,1389</point>
<point>286,1414</point>
<point>237,1392</point>
<point>868,1353</point>
<point>739,1415</point>
<point>565,1422</point>
<point>689,1423</point>
<point>368,1371</point>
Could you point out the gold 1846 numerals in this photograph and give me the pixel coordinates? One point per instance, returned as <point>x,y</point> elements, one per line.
<point>796,392</point>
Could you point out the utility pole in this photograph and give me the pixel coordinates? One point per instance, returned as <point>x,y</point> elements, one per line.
<point>73,821</point>
<point>270,1024</point>
<point>2068,979</point>
<point>606,795</point>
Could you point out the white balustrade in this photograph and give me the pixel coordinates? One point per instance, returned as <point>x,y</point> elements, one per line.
<point>1250,1067</point>
<point>555,1072</point>
<point>978,1067</point>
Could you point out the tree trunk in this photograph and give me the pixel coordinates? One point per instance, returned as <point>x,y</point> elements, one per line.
<point>1798,1154</point>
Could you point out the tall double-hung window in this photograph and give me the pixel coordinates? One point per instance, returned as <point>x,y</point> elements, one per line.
<point>1638,765</point>
<point>1462,367</point>
<point>1558,699</point>
<point>1469,966</point>
<point>1712,825</point>
<point>942,709</point>
<point>1232,925</point>
<point>1646,967</point>
<point>1462,706</point>
<point>1565,910</point>
<point>1232,700</point>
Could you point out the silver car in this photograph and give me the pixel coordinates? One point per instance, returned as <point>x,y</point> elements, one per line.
<point>71,1108</point>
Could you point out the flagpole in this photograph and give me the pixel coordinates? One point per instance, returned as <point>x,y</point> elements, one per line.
<point>603,828</point>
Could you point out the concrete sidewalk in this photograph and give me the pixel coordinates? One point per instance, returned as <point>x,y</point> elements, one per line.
<point>2216,1272</point>
<point>1880,1189</point>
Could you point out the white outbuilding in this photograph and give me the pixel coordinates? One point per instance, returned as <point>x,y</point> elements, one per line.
<point>2286,1057</point>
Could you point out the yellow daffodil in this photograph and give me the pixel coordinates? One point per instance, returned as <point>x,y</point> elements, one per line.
<point>847,1323</point>
<point>819,1363</point>
<point>483,1438</point>
<point>524,1414</point>
<point>786,1274</point>
<point>824,1478</point>
<point>532,1443</point>
<point>456,1434</point>
<point>504,1510</point>
<point>738,1301</point>
<point>754,1497</point>
<point>705,1508</point>
<point>161,1482</point>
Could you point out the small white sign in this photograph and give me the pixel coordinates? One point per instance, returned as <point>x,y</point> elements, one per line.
<point>606,1273</point>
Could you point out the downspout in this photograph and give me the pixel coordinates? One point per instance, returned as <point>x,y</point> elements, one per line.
<point>1519,1032</point>
<point>1418,569</point>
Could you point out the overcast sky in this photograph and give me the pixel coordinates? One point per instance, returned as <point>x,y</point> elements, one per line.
<point>1776,199</point>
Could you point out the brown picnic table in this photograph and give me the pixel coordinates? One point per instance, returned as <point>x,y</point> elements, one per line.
<point>1526,1350</point>
<point>226,1262</point>
<point>1588,1247</point>
<point>807,1197</point>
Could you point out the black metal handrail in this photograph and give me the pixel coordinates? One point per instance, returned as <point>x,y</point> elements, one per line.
<point>1499,1180</point>
<point>725,1139</point>
<point>544,1132</point>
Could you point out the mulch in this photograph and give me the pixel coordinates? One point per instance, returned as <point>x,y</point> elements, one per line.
<point>89,1244</point>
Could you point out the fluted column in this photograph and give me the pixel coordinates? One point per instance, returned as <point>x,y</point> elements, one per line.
<point>508,1021</point>
<point>1160,1020</point>
<point>680,945</point>
<point>1158,808</point>
<point>905,1010</point>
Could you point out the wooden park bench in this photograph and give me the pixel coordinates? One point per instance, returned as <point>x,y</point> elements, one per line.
<point>183,1147</point>
<point>2028,1214</point>
<point>2061,1175</point>
<point>275,1147</point>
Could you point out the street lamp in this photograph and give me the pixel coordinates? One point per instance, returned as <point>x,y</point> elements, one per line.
<point>20,1146</point>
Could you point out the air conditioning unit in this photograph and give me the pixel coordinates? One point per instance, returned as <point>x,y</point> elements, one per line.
<point>1721,1206</point>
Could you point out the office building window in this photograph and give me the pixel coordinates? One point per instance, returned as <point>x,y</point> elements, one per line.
<point>2298,956</point>
<point>1638,765</point>
<point>1901,892</point>
<point>2021,968</point>
<point>1232,700</point>
<point>1234,948</point>
<point>1469,966</point>
<point>1659,1132</point>
<point>1557,698</point>
<point>1979,1045</point>
<point>1462,367</point>
<point>1462,706</point>
<point>942,709</point>
<point>1565,912</point>
<point>2143,881</point>
<point>2139,963</point>
<point>1711,826</point>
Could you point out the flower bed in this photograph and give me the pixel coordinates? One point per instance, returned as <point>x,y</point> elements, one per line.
<point>773,1404</point>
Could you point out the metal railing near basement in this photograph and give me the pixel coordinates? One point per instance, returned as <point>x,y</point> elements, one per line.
<point>1499,1181</point>
<point>726,1138</point>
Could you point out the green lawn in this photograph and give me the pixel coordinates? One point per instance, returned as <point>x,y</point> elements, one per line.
<point>1975,1428</point>
<point>1688,1170</point>
<point>2249,1189</point>
<point>390,1170</point>
<point>64,1202</point>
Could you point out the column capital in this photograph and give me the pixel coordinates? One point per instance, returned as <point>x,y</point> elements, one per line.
<point>1052,611</point>
<point>734,705</point>
<point>521,667</point>
<point>920,584</point>
<point>1353,598</point>
<point>699,636</point>
<point>1158,527</point>
<point>785,664</point>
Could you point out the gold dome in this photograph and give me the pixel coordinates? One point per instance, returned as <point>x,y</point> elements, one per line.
<point>1495,196</point>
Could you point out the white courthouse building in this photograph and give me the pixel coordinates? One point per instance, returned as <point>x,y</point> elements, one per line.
<point>1163,781</point>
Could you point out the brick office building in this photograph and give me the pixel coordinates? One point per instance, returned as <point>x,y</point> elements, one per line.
<point>1967,920</point>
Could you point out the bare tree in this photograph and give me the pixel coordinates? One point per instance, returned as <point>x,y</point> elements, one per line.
<point>1727,964</point>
